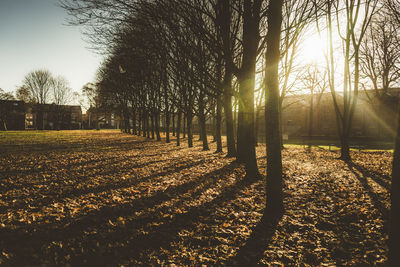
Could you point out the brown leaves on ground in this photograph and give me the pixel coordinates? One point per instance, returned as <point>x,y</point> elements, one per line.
<point>105,198</point>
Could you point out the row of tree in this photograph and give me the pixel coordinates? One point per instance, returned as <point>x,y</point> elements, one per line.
<point>199,58</point>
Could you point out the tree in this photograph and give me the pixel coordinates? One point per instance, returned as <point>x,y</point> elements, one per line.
<point>352,27</point>
<point>6,96</point>
<point>62,95</point>
<point>24,94</point>
<point>89,90</point>
<point>61,91</point>
<point>274,183</point>
<point>315,81</point>
<point>380,66</point>
<point>39,83</point>
<point>394,230</point>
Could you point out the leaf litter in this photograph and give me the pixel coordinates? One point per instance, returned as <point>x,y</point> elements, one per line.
<point>128,200</point>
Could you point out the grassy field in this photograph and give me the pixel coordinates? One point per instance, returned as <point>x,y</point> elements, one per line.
<point>100,198</point>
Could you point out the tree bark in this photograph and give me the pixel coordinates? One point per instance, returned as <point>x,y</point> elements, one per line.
<point>184,126</point>
<point>202,124</point>
<point>218,124</point>
<point>394,224</point>
<point>274,182</point>
<point>189,118</point>
<point>152,124</point>
<point>134,122</point>
<point>167,126</point>
<point>246,76</point>
<point>157,118</point>
<point>148,125</point>
<point>178,129</point>
<point>173,123</point>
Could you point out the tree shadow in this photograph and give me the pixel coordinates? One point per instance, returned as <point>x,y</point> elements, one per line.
<point>72,192</point>
<point>253,250</point>
<point>376,199</point>
<point>381,179</point>
<point>159,231</point>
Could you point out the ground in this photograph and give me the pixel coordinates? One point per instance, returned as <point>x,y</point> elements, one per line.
<point>107,198</point>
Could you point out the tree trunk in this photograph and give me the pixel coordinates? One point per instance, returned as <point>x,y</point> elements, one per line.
<point>173,123</point>
<point>218,124</point>
<point>189,118</point>
<point>394,224</point>
<point>157,118</point>
<point>134,122</point>
<point>144,123</point>
<point>202,124</point>
<point>310,122</point>
<point>230,133</point>
<point>178,129</point>
<point>167,126</point>
<point>148,125</point>
<point>184,126</point>
<point>256,127</point>
<point>4,124</point>
<point>152,124</point>
<point>139,124</point>
<point>274,158</point>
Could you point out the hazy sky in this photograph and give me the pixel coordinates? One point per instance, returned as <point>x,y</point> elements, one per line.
<point>33,35</point>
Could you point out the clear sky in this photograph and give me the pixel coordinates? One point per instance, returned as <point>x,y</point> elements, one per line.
<point>34,35</point>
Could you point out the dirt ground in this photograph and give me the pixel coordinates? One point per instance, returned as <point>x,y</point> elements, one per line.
<point>106,198</point>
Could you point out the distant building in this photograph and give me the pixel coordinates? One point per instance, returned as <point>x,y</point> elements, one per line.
<point>12,115</point>
<point>54,117</point>
<point>17,115</point>
<point>373,118</point>
<point>104,119</point>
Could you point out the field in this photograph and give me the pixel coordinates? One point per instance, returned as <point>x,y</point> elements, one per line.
<point>100,198</point>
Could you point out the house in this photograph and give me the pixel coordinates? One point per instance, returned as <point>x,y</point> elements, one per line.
<point>373,118</point>
<point>12,115</point>
<point>18,115</point>
<point>104,119</point>
<point>53,117</point>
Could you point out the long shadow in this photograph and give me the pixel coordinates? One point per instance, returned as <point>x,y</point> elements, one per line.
<point>381,179</point>
<point>162,234</point>
<point>111,212</point>
<point>376,199</point>
<point>73,168</point>
<point>261,235</point>
<point>138,243</point>
<point>89,146</point>
<point>56,196</point>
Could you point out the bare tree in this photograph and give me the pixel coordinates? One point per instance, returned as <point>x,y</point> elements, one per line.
<point>380,55</point>
<point>39,83</point>
<point>61,91</point>
<point>315,82</point>
<point>24,94</point>
<point>352,27</point>
<point>89,90</point>
<point>62,95</point>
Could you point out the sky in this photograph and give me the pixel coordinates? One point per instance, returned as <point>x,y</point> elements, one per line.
<point>34,35</point>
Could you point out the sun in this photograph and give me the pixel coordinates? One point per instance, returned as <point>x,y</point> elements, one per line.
<point>312,49</point>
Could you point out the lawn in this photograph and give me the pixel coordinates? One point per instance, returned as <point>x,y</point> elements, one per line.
<point>107,198</point>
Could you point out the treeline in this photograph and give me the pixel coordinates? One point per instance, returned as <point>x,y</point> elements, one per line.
<point>197,58</point>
